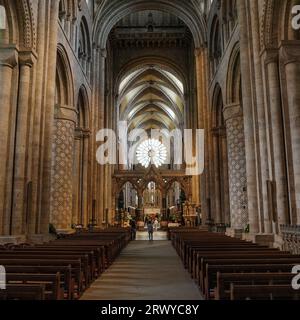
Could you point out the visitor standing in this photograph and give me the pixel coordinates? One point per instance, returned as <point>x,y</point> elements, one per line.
<point>133,229</point>
<point>150,230</point>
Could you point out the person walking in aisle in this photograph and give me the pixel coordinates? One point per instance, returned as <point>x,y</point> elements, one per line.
<point>150,230</point>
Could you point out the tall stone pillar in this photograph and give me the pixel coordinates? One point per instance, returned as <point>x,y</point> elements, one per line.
<point>26,60</point>
<point>253,208</point>
<point>290,52</point>
<point>275,111</point>
<point>48,118</point>
<point>217,133</point>
<point>201,57</point>
<point>237,167</point>
<point>62,168</point>
<point>8,60</point>
<point>101,189</point>
<point>262,157</point>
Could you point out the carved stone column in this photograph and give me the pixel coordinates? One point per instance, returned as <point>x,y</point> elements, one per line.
<point>62,168</point>
<point>8,60</point>
<point>237,166</point>
<point>26,60</point>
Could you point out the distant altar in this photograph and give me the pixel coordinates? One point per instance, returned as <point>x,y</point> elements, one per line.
<point>152,211</point>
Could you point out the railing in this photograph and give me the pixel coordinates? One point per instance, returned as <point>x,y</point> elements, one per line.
<point>291,238</point>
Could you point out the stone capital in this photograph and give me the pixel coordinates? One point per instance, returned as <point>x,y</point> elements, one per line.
<point>290,51</point>
<point>199,51</point>
<point>232,111</point>
<point>103,53</point>
<point>66,113</point>
<point>218,132</point>
<point>9,56</point>
<point>81,133</point>
<point>270,56</point>
<point>27,57</point>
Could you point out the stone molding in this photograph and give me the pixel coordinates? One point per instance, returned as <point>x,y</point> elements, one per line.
<point>232,111</point>
<point>290,52</point>
<point>65,113</point>
<point>27,58</point>
<point>9,56</point>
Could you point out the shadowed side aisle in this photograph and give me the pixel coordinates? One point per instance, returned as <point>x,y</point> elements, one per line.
<point>145,271</point>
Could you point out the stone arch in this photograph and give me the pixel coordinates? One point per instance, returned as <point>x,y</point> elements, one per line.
<point>84,45</point>
<point>113,11</point>
<point>64,79</point>
<point>220,158</point>
<point>234,122</point>
<point>151,60</point>
<point>215,43</point>
<point>233,94</point>
<point>63,146</point>
<point>81,167</point>
<point>83,108</point>
<point>62,10</point>
<point>276,23</point>
<point>20,23</point>
<point>217,106</point>
<point>228,16</point>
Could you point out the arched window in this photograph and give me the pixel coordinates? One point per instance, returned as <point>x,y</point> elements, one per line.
<point>84,45</point>
<point>62,10</point>
<point>2,18</point>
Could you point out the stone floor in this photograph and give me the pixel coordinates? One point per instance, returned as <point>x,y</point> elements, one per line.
<point>157,235</point>
<point>145,271</point>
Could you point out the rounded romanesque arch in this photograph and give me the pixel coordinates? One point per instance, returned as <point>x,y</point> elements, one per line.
<point>63,145</point>
<point>113,11</point>
<point>276,23</point>
<point>64,79</point>
<point>234,122</point>
<point>81,167</point>
<point>21,28</point>
<point>220,158</point>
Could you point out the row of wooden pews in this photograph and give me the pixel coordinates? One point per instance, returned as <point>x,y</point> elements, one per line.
<point>227,268</point>
<point>60,269</point>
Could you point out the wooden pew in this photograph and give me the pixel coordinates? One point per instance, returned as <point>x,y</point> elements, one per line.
<point>23,292</point>
<point>85,279</point>
<point>51,282</point>
<point>224,280</point>
<point>242,261</point>
<point>65,274</point>
<point>263,292</point>
<point>212,272</point>
<point>76,268</point>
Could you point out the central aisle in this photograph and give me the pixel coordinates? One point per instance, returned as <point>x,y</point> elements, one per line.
<point>145,271</point>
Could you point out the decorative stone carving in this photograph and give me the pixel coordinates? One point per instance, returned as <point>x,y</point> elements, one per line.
<point>237,166</point>
<point>62,167</point>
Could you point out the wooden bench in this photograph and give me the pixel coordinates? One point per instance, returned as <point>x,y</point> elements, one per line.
<point>65,275</point>
<point>77,273</point>
<point>263,292</point>
<point>23,292</point>
<point>224,280</point>
<point>212,272</point>
<point>242,261</point>
<point>51,282</point>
